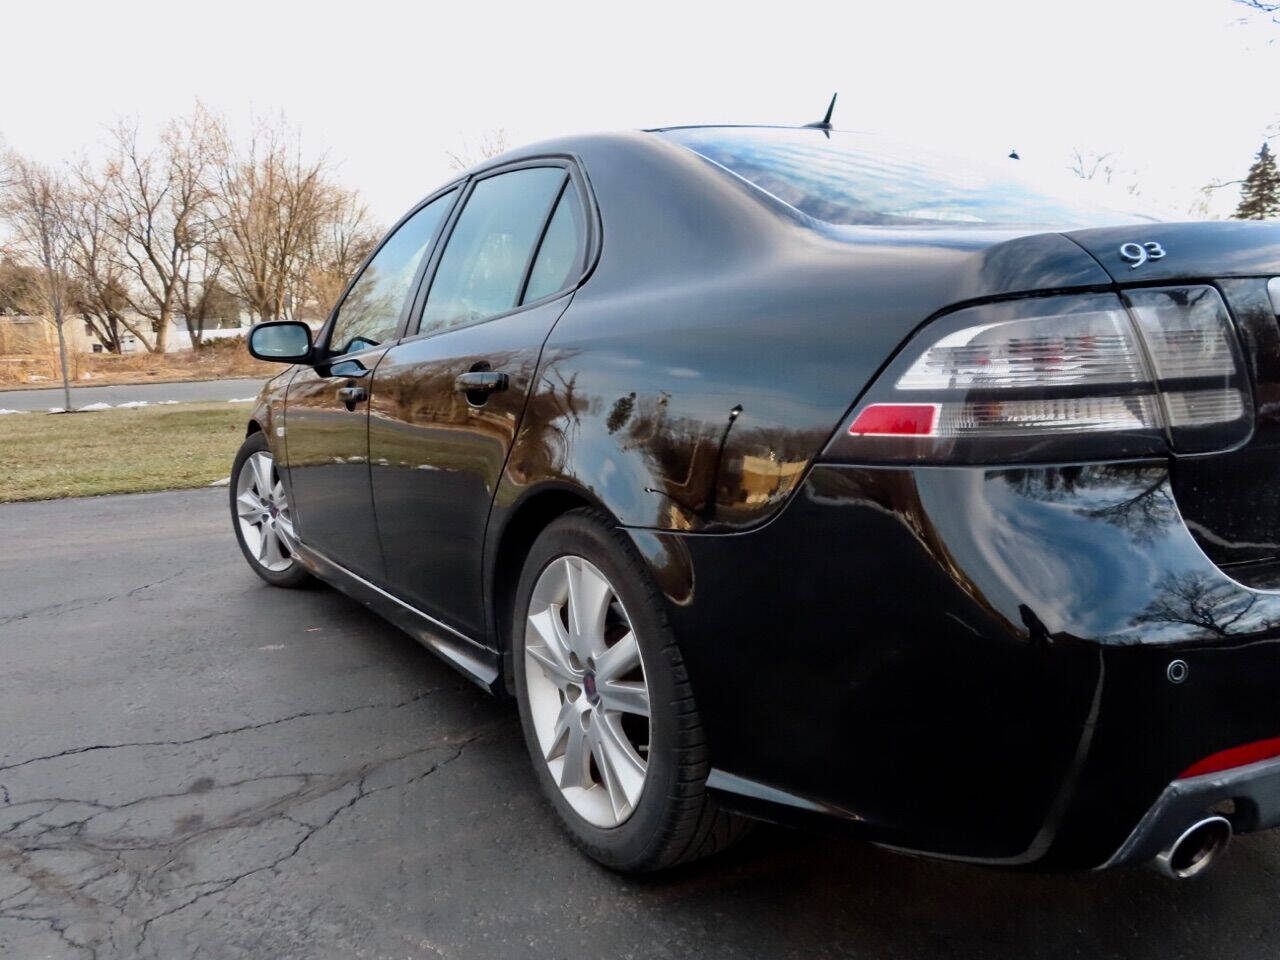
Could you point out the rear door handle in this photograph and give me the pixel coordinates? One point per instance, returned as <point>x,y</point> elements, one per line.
<point>352,395</point>
<point>480,381</point>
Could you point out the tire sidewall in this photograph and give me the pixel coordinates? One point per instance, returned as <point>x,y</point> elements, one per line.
<point>631,842</point>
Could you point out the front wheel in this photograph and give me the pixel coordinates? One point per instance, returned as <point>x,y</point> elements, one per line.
<point>261,515</point>
<point>607,709</point>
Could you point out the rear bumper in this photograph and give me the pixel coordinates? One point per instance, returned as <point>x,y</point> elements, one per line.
<point>969,663</point>
<point>1253,792</point>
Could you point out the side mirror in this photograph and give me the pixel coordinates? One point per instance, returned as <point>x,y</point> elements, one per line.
<point>283,341</point>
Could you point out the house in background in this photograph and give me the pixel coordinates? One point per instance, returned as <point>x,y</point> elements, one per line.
<point>27,335</point>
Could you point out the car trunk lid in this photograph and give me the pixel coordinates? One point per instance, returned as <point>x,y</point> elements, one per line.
<point>1205,250</point>
<point>1229,500</point>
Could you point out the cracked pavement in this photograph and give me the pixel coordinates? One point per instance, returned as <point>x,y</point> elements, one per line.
<point>193,764</point>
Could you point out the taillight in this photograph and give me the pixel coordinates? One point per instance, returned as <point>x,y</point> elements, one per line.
<point>1196,363</point>
<point>1053,378</point>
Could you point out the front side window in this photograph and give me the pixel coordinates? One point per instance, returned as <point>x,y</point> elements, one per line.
<point>484,262</point>
<point>371,310</point>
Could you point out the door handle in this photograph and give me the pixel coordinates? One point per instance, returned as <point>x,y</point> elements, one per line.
<point>352,395</point>
<point>480,382</point>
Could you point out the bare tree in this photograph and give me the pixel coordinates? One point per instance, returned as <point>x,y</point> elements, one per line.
<point>1214,605</point>
<point>200,227</point>
<point>33,204</point>
<point>1265,7</point>
<point>1088,166</point>
<point>99,317</point>
<point>271,203</point>
<point>101,295</point>
<point>339,245</point>
<point>1104,168</point>
<point>492,143</point>
<point>19,285</point>
<point>158,204</point>
<point>199,293</point>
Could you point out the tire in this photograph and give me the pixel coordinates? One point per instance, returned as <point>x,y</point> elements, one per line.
<point>671,818</point>
<point>263,525</point>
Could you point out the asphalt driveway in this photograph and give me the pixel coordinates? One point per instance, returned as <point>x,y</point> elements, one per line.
<point>195,764</point>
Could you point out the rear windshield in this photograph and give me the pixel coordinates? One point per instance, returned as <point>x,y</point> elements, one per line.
<point>857,178</point>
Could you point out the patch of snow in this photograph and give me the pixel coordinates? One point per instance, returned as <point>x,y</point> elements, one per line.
<point>224,482</point>
<point>97,406</point>
<point>243,400</point>
<point>56,410</point>
<point>4,411</point>
<point>131,404</point>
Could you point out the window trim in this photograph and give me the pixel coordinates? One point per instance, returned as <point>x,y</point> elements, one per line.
<point>588,255</point>
<point>536,249</point>
<point>326,329</point>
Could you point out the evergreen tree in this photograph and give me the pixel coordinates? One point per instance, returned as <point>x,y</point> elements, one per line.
<point>1260,195</point>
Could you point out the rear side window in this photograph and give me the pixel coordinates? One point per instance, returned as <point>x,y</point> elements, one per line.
<point>559,257</point>
<point>370,312</point>
<point>856,178</point>
<point>484,262</point>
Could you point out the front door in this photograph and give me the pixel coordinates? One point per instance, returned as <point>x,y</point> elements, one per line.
<point>447,402</point>
<point>326,408</point>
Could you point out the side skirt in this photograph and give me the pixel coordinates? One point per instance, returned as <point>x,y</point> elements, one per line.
<point>472,659</point>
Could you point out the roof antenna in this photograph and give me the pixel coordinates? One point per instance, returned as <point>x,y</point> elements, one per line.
<point>1013,155</point>
<point>825,123</point>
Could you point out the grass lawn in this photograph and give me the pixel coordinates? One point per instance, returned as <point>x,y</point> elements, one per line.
<point>45,456</point>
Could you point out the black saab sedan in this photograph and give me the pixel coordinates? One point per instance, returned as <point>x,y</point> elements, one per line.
<point>789,474</point>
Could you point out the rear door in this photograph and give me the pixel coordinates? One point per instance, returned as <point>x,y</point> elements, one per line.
<point>447,401</point>
<point>326,409</point>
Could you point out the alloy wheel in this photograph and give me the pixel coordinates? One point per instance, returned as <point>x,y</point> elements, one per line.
<point>588,697</point>
<point>266,523</point>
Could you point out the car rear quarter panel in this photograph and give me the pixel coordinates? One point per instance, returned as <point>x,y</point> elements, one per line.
<point>723,336</point>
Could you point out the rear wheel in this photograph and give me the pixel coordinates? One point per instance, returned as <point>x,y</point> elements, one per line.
<point>608,714</point>
<point>261,515</point>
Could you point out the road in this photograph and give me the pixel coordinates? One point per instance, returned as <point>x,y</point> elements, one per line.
<point>195,764</point>
<point>43,399</point>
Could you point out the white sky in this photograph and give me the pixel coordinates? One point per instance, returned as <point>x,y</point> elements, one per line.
<point>1182,88</point>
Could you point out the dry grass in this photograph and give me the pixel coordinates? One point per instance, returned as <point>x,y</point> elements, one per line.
<point>216,361</point>
<point>47,456</point>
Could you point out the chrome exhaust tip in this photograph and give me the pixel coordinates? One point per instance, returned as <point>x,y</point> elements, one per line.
<point>1193,852</point>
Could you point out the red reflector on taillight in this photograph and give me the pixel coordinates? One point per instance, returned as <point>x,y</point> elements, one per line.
<point>1235,757</point>
<point>895,420</point>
